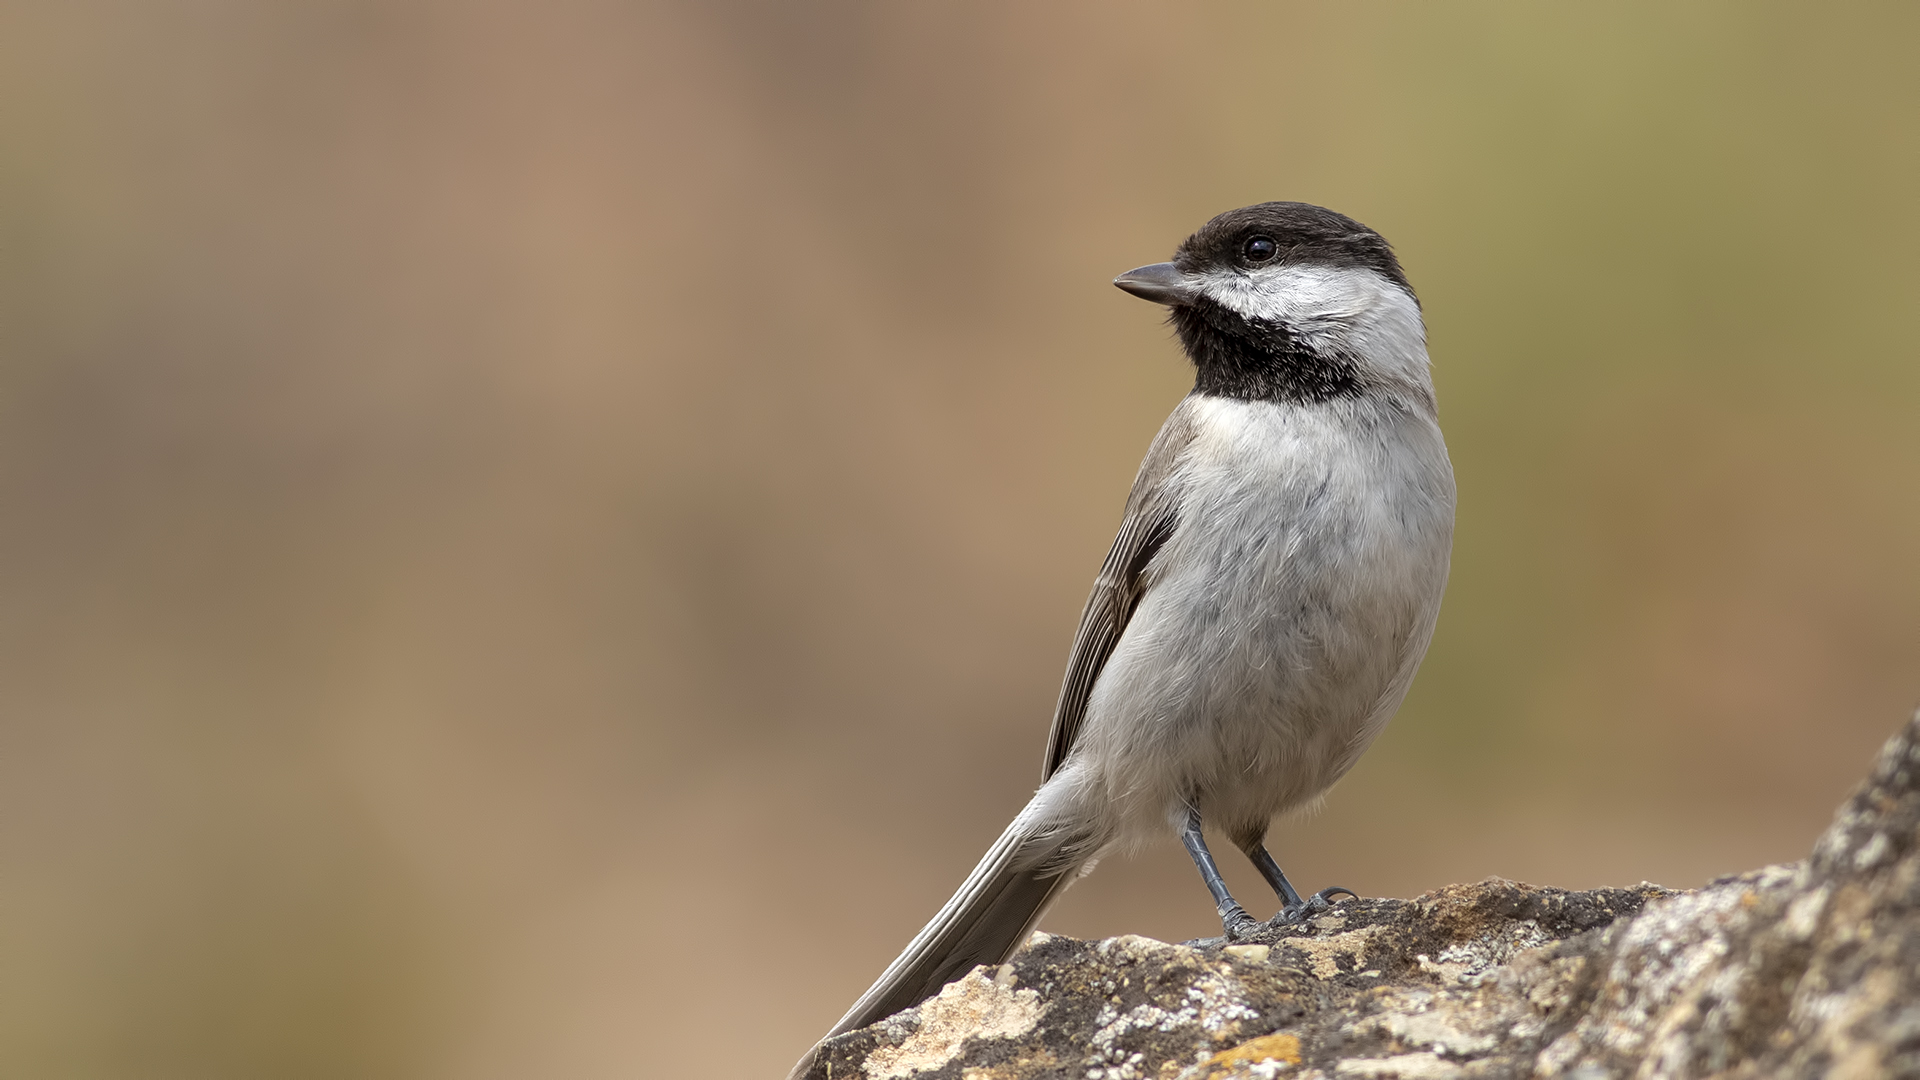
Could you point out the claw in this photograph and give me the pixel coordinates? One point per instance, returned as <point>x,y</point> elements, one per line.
<point>1311,906</point>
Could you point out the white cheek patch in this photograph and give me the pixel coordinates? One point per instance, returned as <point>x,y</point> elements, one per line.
<point>1297,294</point>
<point>1346,309</point>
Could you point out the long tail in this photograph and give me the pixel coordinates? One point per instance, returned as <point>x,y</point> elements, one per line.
<point>993,913</point>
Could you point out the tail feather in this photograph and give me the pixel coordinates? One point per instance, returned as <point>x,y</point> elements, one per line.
<point>988,918</point>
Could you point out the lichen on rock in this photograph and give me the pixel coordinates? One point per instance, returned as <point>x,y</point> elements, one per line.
<point>1811,969</point>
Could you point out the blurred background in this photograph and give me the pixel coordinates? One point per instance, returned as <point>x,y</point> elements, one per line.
<point>541,539</point>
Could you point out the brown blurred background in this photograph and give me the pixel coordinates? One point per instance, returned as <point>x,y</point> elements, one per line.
<point>540,540</point>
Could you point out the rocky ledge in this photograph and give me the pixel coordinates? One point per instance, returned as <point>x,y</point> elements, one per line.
<point>1805,970</point>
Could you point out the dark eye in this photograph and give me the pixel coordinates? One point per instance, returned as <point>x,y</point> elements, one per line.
<point>1261,248</point>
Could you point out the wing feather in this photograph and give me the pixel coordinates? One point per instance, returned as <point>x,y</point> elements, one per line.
<point>1150,519</point>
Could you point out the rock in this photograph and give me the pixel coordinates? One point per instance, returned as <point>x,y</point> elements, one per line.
<point>1810,969</point>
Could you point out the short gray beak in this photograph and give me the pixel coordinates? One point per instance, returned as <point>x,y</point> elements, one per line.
<point>1162,283</point>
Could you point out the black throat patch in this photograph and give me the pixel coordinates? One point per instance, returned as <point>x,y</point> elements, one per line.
<point>1257,359</point>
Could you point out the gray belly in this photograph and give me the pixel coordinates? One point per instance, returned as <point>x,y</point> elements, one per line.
<point>1289,612</point>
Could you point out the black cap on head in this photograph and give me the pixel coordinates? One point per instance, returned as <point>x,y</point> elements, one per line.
<point>1288,234</point>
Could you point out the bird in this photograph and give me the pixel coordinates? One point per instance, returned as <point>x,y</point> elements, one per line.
<point>1273,587</point>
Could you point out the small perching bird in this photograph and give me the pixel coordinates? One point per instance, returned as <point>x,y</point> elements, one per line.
<point>1269,596</point>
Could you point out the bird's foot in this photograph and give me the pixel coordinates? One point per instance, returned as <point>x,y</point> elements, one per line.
<point>1319,902</point>
<point>1237,924</point>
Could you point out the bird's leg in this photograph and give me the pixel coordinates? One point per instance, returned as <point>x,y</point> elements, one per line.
<point>1263,862</point>
<point>1233,918</point>
<point>1292,908</point>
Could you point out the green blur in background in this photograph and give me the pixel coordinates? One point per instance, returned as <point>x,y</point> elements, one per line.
<point>541,540</point>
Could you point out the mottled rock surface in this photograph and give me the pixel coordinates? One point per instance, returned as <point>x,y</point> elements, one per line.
<point>1806,970</point>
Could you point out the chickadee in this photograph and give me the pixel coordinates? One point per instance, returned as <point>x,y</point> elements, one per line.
<point>1273,587</point>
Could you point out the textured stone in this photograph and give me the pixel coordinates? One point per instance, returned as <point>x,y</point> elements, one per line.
<point>1807,970</point>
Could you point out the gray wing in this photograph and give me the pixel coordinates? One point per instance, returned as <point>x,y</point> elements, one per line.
<point>1150,519</point>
